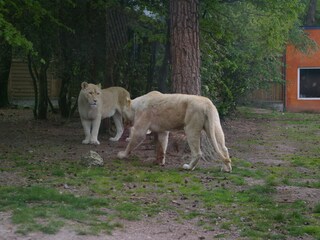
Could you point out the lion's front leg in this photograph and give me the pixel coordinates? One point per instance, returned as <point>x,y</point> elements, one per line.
<point>161,148</point>
<point>95,130</point>
<point>136,138</point>
<point>86,124</point>
<point>119,126</point>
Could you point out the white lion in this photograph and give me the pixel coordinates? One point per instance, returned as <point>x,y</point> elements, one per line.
<point>95,104</point>
<point>161,113</point>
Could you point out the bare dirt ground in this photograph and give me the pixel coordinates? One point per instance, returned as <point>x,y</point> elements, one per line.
<point>20,133</point>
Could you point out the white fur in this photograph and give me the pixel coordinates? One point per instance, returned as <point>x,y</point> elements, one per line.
<point>161,113</point>
<point>95,104</point>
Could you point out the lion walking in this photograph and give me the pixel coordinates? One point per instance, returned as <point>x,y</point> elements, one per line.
<point>162,113</point>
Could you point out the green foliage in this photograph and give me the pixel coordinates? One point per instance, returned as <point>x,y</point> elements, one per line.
<point>8,31</point>
<point>11,35</point>
<point>242,44</point>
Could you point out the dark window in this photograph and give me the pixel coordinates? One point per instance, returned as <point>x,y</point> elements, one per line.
<point>309,83</point>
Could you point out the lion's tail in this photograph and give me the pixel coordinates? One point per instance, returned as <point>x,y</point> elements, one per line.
<point>215,133</point>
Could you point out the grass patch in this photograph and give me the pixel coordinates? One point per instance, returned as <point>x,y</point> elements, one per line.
<point>304,161</point>
<point>134,192</point>
<point>37,208</point>
<point>94,199</point>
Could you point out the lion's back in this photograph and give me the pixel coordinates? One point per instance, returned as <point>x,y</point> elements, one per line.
<point>114,98</point>
<point>172,111</point>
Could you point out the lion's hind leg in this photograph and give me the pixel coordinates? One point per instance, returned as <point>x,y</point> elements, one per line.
<point>117,118</point>
<point>193,137</point>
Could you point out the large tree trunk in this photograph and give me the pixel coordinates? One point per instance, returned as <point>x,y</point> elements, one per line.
<point>5,65</point>
<point>185,51</point>
<point>185,56</point>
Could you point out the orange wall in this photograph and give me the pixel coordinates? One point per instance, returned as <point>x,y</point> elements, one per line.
<point>294,60</point>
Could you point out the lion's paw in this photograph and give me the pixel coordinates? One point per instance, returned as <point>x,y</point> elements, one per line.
<point>226,168</point>
<point>85,141</point>
<point>114,139</point>
<point>95,142</point>
<point>186,166</point>
<point>122,154</point>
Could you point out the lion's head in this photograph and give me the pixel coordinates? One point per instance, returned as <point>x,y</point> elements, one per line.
<point>91,92</point>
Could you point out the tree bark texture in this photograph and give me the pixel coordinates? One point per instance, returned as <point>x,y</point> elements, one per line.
<point>185,50</point>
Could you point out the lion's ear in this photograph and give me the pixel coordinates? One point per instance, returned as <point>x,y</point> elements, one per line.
<point>128,103</point>
<point>84,85</point>
<point>99,85</point>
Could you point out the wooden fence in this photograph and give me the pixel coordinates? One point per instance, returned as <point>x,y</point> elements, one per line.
<point>274,93</point>
<point>20,82</point>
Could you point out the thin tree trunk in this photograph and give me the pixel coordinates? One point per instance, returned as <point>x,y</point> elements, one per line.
<point>51,106</point>
<point>43,92</point>
<point>64,104</point>
<point>185,51</point>
<point>40,86</point>
<point>5,65</point>
<point>34,76</point>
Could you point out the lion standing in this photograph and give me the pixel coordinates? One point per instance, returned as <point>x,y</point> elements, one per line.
<point>95,104</point>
